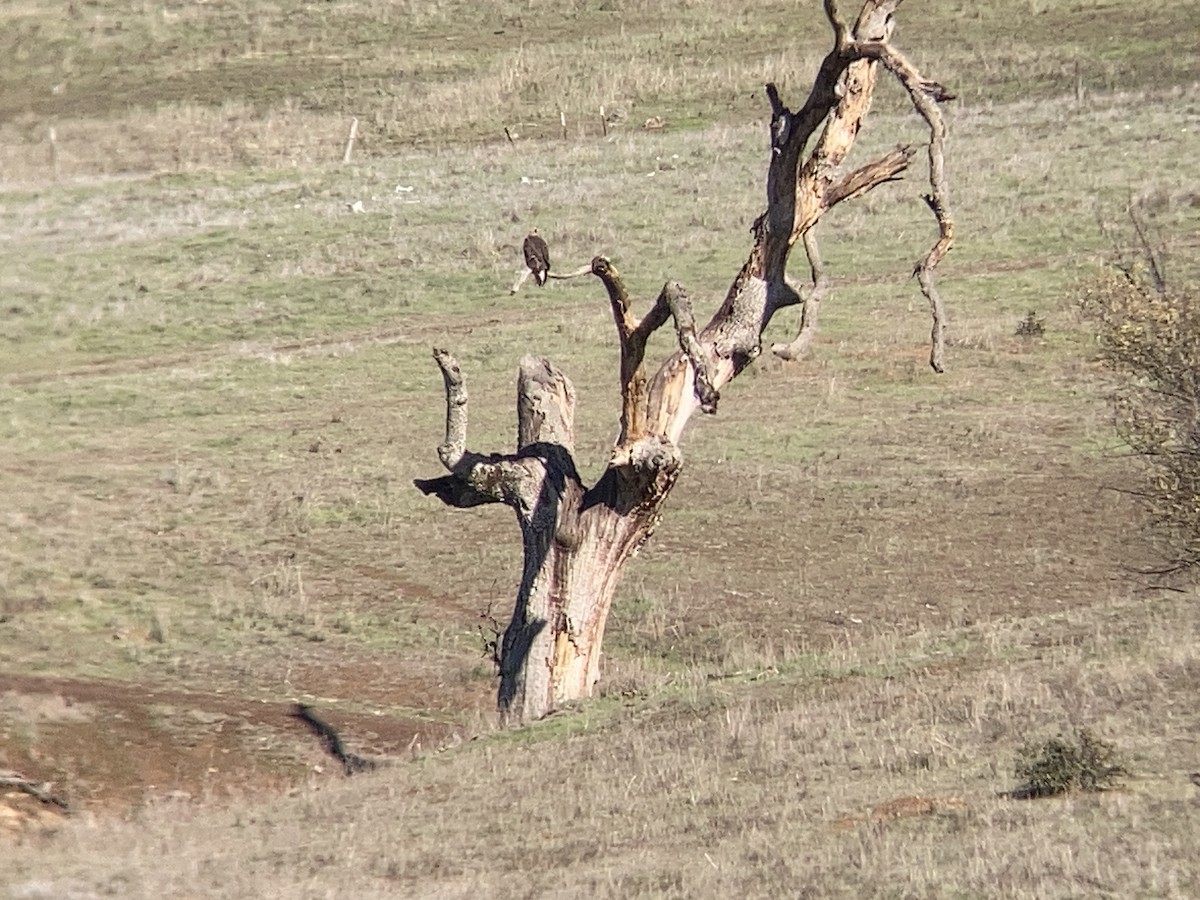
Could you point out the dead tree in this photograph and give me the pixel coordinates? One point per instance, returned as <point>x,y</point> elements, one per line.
<point>577,539</point>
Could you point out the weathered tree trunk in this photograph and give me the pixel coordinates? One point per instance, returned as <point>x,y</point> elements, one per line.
<point>551,650</point>
<point>577,539</point>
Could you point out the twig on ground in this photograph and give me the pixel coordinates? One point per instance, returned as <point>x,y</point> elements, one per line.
<point>10,781</point>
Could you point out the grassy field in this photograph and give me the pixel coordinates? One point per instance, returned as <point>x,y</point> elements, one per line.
<point>872,587</point>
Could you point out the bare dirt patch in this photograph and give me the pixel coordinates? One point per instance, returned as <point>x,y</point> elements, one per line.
<point>112,746</point>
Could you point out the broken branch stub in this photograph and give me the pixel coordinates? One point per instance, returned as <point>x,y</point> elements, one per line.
<point>545,405</point>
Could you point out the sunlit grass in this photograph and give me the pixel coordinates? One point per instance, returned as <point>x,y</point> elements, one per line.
<point>870,583</point>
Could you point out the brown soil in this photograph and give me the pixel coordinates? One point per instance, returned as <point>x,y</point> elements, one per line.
<point>112,746</point>
<point>904,808</point>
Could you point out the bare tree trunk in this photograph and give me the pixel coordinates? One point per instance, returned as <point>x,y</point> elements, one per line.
<point>551,650</point>
<point>577,539</point>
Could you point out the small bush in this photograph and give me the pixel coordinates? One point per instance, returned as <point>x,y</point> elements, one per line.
<point>1032,325</point>
<point>1149,333</point>
<point>1058,766</point>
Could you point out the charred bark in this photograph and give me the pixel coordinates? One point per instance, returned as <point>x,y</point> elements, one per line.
<point>577,539</point>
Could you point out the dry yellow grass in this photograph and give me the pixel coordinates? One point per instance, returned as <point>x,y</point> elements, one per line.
<point>870,770</point>
<point>871,585</point>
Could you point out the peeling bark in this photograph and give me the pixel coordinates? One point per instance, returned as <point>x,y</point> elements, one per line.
<point>577,539</point>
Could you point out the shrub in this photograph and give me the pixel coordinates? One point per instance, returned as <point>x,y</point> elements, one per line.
<point>1058,766</point>
<point>1031,326</point>
<point>1149,333</point>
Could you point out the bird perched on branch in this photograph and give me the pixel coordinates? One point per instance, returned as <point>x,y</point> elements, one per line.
<point>537,256</point>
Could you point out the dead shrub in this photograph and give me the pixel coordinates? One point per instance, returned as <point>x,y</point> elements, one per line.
<point>1149,334</point>
<point>1031,326</point>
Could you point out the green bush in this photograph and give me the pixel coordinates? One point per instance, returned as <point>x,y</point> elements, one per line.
<point>1058,766</point>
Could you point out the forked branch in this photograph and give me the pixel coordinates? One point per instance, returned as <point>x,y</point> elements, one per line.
<point>545,434</point>
<point>797,195</point>
<point>633,333</point>
<point>801,188</point>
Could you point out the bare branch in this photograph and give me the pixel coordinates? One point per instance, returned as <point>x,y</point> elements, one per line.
<point>685,327</point>
<point>814,196</point>
<point>781,121</point>
<point>791,133</point>
<point>654,319</point>
<point>796,200</point>
<point>574,273</point>
<point>796,197</point>
<point>618,296</point>
<point>936,92</point>
<point>812,302</point>
<point>816,191</point>
<point>924,95</point>
<point>1148,253</point>
<point>452,449</point>
<point>937,201</point>
<point>633,334</point>
<point>524,274</point>
<point>818,194</point>
<point>840,34</point>
<point>1128,261</point>
<point>880,171</point>
<point>876,20</point>
<point>633,352</point>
